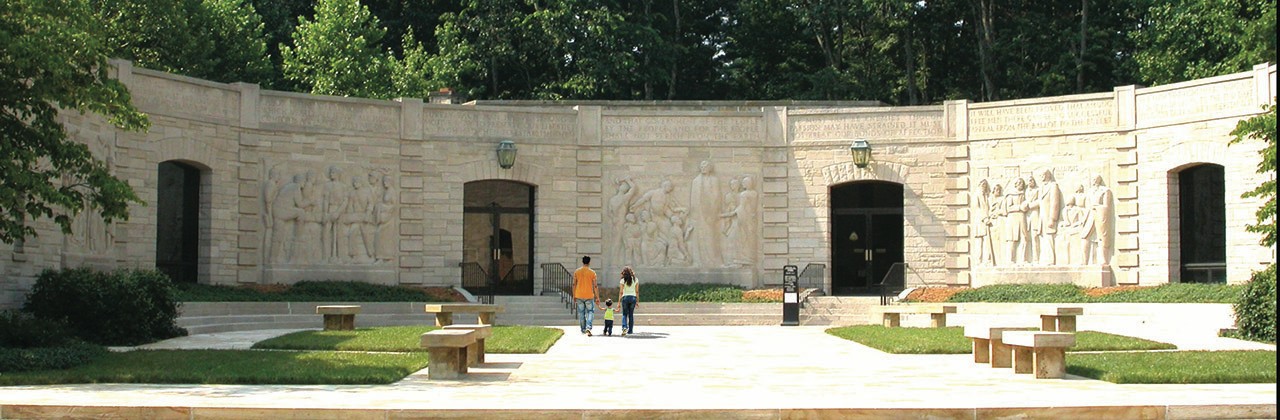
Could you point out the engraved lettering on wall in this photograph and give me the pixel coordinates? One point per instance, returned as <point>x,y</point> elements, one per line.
<point>335,214</point>
<point>1028,220</point>
<point>718,227</point>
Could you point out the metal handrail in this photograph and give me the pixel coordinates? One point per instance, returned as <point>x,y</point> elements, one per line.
<point>893,282</point>
<point>557,279</point>
<point>475,278</point>
<point>812,275</point>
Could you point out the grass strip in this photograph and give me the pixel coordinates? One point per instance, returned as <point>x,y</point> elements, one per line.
<point>248,367</point>
<point>1177,367</point>
<point>505,339</point>
<point>951,340</point>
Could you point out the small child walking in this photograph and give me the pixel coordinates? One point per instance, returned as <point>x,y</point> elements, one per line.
<point>608,316</point>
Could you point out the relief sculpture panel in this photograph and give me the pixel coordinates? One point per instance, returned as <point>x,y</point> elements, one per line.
<point>1027,220</point>
<point>325,215</point>
<point>715,227</point>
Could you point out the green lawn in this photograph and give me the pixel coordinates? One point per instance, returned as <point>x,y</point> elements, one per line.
<point>1176,367</point>
<point>951,340</point>
<point>505,339</point>
<point>231,367</point>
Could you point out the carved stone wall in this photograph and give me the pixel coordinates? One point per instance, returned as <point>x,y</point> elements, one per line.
<point>1063,189</point>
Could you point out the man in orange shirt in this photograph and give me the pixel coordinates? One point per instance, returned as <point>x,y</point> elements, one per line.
<point>584,294</point>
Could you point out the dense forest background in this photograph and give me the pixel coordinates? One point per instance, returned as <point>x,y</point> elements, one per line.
<point>895,51</point>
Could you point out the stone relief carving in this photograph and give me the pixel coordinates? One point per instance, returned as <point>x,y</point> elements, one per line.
<point>718,227</point>
<point>340,220</point>
<point>1035,224</point>
<point>90,233</point>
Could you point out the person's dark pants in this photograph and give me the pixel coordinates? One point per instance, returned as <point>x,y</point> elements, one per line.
<point>628,314</point>
<point>608,327</point>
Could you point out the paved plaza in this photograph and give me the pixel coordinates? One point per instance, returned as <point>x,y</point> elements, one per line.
<point>683,372</point>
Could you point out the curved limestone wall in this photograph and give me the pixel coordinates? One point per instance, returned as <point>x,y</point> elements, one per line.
<point>1078,188</point>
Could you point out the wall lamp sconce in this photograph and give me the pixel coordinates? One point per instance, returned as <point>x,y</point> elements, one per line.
<point>861,152</point>
<point>506,154</point>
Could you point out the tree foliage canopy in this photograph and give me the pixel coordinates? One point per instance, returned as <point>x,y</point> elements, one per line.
<point>55,60</point>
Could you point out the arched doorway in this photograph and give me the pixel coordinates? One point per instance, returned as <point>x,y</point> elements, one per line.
<point>178,221</point>
<point>866,235</point>
<point>1202,224</point>
<point>497,238</point>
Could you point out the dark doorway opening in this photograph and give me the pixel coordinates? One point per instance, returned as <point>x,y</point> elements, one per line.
<point>178,222</point>
<point>1202,224</point>
<point>498,238</point>
<point>866,235</point>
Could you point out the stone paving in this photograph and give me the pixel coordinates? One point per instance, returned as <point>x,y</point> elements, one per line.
<point>748,371</point>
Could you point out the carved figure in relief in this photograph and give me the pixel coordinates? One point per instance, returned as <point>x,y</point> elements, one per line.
<point>619,210</point>
<point>633,236</point>
<point>657,201</point>
<point>676,236</point>
<point>334,196</point>
<point>1016,223</point>
<point>652,246</point>
<point>1032,206</point>
<point>307,247</point>
<point>730,203</point>
<point>1076,220</point>
<point>1100,200</point>
<point>982,224</point>
<point>704,217</point>
<point>1050,205</point>
<point>286,210</point>
<point>742,235</point>
<point>384,218</point>
<point>357,220</point>
<point>998,211</point>
<point>270,188</point>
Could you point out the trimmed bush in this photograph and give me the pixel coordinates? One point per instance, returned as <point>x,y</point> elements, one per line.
<point>122,307</point>
<point>1256,309</point>
<point>21,330</point>
<point>72,354</point>
<point>1026,293</point>
<point>697,292</point>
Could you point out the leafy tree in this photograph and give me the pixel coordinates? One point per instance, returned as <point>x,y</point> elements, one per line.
<point>55,61</point>
<point>280,18</point>
<point>1190,39</point>
<point>412,74</point>
<point>339,52</point>
<point>1262,127</point>
<point>220,40</point>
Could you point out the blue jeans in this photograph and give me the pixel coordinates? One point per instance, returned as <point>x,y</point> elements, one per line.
<point>628,313</point>
<point>586,313</point>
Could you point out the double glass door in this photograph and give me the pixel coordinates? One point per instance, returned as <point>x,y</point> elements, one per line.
<point>866,235</point>
<point>498,238</point>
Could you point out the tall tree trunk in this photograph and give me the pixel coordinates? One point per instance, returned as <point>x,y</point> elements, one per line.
<point>986,39</point>
<point>675,62</point>
<point>913,97</point>
<point>648,82</point>
<point>1084,22</point>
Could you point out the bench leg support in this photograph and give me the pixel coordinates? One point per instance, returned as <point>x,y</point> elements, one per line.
<point>339,322</point>
<point>1048,323</point>
<point>446,362</point>
<point>892,320</point>
<point>444,318</point>
<point>937,320</point>
<point>1067,323</point>
<point>1050,362</point>
<point>981,350</point>
<point>486,318</point>
<point>1001,354</point>
<point>1023,361</point>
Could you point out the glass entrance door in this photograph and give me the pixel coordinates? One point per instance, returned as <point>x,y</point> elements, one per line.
<point>498,238</point>
<point>866,235</point>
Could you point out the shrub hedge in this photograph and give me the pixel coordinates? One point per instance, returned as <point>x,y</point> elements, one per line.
<point>1256,309</point>
<point>122,307</point>
<point>697,292</point>
<point>1070,293</point>
<point>71,354</point>
<point>22,330</point>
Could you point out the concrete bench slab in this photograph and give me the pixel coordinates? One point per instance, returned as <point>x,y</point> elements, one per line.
<point>475,352</point>
<point>989,345</point>
<point>447,352</point>
<point>339,317</point>
<point>444,311</point>
<point>891,316</point>
<point>1040,352</point>
<point>1060,319</point>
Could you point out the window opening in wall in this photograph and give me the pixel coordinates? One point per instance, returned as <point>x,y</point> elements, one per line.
<point>1202,224</point>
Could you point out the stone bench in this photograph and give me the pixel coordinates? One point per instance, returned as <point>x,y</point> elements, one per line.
<point>447,352</point>
<point>1043,353</point>
<point>444,312</point>
<point>891,316</point>
<point>989,346</point>
<point>339,317</point>
<point>475,352</point>
<point>1060,319</point>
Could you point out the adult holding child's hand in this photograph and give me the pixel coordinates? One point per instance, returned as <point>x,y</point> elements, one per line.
<point>629,295</point>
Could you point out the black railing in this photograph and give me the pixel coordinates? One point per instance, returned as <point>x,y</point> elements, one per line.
<point>476,281</point>
<point>557,280</point>
<point>812,275</point>
<point>515,282</point>
<point>894,282</point>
